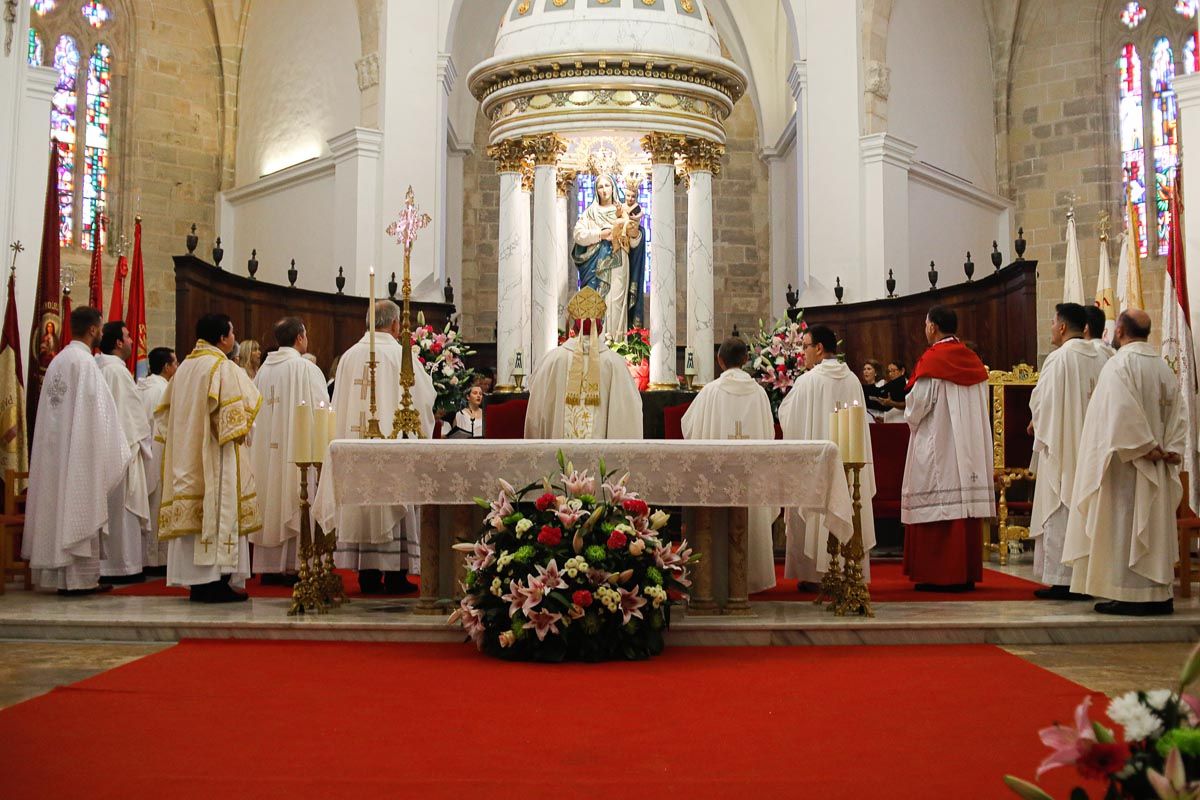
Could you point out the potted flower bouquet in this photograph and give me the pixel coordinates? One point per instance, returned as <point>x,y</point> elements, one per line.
<point>777,358</point>
<point>635,349</point>
<point>441,354</point>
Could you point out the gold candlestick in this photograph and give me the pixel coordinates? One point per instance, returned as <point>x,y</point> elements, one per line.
<point>306,594</point>
<point>332,589</point>
<point>855,598</point>
<point>373,431</point>
<point>831,581</point>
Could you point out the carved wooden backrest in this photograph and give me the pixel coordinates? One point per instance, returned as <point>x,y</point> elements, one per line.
<point>1012,446</point>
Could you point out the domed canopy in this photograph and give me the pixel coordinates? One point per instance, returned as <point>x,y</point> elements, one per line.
<point>566,66</point>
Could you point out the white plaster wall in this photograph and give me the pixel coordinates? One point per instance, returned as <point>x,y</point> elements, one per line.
<point>298,85</point>
<point>941,95</point>
<point>942,228</point>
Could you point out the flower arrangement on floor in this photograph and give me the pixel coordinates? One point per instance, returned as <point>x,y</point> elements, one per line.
<point>1157,754</point>
<point>777,358</point>
<point>441,354</point>
<point>635,349</point>
<point>582,571</point>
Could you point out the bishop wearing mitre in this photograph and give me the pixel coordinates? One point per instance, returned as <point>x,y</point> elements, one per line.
<point>1122,542</point>
<point>381,542</point>
<point>582,389</point>
<point>734,406</point>
<point>151,390</point>
<point>827,384</point>
<point>79,457</point>
<point>129,503</point>
<point>285,380</point>
<point>1057,407</point>
<point>209,504</point>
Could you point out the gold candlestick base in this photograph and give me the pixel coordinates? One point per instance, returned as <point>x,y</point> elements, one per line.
<point>329,583</point>
<point>831,581</point>
<point>688,380</point>
<point>307,596</point>
<point>373,431</point>
<point>854,598</point>
<point>519,380</point>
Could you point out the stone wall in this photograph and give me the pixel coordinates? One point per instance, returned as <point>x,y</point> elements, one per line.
<point>741,234</point>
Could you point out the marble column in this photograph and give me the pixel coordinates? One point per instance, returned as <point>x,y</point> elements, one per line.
<point>546,150</point>
<point>662,149</point>
<point>431,561</point>
<point>525,245</point>
<point>510,282</point>
<point>1187,90</point>
<point>703,161</point>
<point>562,243</point>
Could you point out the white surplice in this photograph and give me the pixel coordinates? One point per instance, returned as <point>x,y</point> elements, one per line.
<point>618,415</point>
<point>1121,535</point>
<point>1058,406</point>
<point>377,537</point>
<point>804,414</point>
<point>285,380</point>
<point>154,551</point>
<point>1105,349</point>
<point>734,406</point>
<point>79,456</point>
<point>129,502</point>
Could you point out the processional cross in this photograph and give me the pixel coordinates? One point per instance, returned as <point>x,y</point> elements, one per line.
<point>16,248</point>
<point>404,230</point>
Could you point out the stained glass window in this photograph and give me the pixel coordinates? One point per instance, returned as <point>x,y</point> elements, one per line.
<point>95,144</point>
<point>1129,68</point>
<point>62,129</point>
<point>1165,133</point>
<point>1132,15</point>
<point>1187,7</point>
<point>585,191</point>
<point>35,48</point>
<point>96,13</point>
<point>44,7</point>
<point>1191,56</point>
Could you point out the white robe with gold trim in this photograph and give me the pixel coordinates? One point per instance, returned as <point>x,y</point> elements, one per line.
<point>618,415</point>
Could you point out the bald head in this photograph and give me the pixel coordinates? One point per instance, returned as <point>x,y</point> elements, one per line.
<point>1132,326</point>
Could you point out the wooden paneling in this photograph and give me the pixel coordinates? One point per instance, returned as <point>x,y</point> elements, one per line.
<point>334,321</point>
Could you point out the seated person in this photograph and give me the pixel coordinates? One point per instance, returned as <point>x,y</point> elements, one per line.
<point>894,392</point>
<point>873,382</point>
<point>468,422</point>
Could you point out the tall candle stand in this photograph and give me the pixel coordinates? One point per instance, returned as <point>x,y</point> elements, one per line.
<point>854,597</point>
<point>407,421</point>
<point>373,431</point>
<point>831,581</point>
<point>306,594</point>
<point>332,589</point>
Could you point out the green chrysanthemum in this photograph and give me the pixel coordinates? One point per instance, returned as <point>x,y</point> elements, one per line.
<point>653,576</point>
<point>471,577</point>
<point>1186,739</point>
<point>595,554</point>
<point>523,554</point>
<point>591,624</point>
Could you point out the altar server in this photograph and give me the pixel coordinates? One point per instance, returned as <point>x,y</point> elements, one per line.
<point>381,542</point>
<point>1094,332</point>
<point>734,406</point>
<point>285,380</point>
<point>209,503</point>
<point>1121,536</point>
<point>151,390</point>
<point>804,414</point>
<point>129,502</point>
<point>582,389</point>
<point>79,456</point>
<point>948,488</point>
<point>1058,405</point>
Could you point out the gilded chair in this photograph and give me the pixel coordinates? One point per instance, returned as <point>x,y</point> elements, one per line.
<point>1012,453</point>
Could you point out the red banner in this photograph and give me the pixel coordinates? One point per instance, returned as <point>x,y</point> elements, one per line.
<point>96,276</point>
<point>46,335</point>
<point>115,309</point>
<point>135,320</point>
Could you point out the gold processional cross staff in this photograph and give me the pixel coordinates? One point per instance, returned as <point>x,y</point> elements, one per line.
<point>404,230</point>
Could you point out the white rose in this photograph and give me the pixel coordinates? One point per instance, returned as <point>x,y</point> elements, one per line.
<point>523,527</point>
<point>658,519</point>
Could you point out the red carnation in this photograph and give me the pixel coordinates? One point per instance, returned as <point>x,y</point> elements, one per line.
<point>550,536</point>
<point>582,598</point>
<point>435,348</point>
<point>1103,759</point>
<point>616,540</point>
<point>546,502</point>
<point>637,508</point>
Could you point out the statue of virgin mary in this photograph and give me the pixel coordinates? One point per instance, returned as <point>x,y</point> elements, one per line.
<point>610,254</point>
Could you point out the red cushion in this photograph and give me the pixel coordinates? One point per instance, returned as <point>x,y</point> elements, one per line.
<point>673,420</point>
<point>505,420</point>
<point>889,445</point>
<point>1018,444</point>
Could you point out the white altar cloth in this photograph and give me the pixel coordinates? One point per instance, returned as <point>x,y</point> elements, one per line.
<point>724,473</point>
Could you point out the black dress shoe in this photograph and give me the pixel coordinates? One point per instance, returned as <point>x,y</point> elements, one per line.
<point>279,579</point>
<point>397,583</point>
<point>222,592</point>
<point>115,580</point>
<point>1156,608</point>
<point>101,589</point>
<point>946,588</point>
<point>370,581</point>
<point>155,572</point>
<point>1059,592</point>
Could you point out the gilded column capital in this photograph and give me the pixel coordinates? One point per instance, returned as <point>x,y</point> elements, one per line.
<point>526,176</point>
<point>565,180</point>
<point>509,155</point>
<point>663,147</point>
<point>703,155</point>
<point>545,149</point>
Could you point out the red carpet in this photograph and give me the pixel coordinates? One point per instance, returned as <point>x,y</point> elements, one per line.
<point>889,585</point>
<point>157,587</point>
<point>211,719</point>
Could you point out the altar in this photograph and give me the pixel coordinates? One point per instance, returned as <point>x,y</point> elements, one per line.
<point>443,477</point>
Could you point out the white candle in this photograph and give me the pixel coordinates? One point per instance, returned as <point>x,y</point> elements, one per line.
<point>689,362</point>
<point>330,426</point>
<point>518,364</point>
<point>833,427</point>
<point>371,310</point>
<point>302,429</point>
<point>844,431</point>
<point>319,432</point>
<point>858,426</point>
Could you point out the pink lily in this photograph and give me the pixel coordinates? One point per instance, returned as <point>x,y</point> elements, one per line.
<point>549,577</point>
<point>631,604</point>
<point>1068,744</point>
<point>544,622</point>
<point>516,598</point>
<point>1173,785</point>
<point>534,592</point>
<point>570,512</point>
<point>481,556</point>
<point>617,492</point>
<point>471,620</point>
<point>501,508</point>
<point>579,483</point>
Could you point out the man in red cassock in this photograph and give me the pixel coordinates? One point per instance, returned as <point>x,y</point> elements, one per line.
<point>948,488</point>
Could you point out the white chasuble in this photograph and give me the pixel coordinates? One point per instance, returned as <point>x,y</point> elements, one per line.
<point>1121,535</point>
<point>209,504</point>
<point>376,537</point>
<point>804,414</point>
<point>79,456</point>
<point>1058,406</point>
<point>151,390</point>
<point>285,380</point>
<point>734,406</point>
<point>609,409</point>
<point>129,503</point>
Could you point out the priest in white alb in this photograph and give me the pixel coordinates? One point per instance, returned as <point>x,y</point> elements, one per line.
<point>826,384</point>
<point>381,542</point>
<point>209,504</point>
<point>1122,542</point>
<point>1093,333</point>
<point>129,503</point>
<point>1057,407</point>
<point>151,389</point>
<point>582,389</point>
<point>79,457</point>
<point>734,406</point>
<point>285,380</point>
